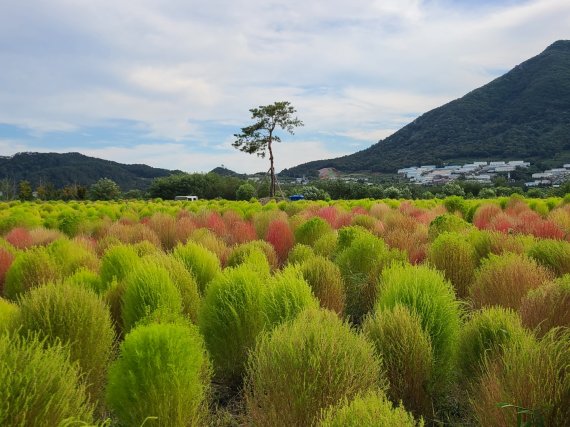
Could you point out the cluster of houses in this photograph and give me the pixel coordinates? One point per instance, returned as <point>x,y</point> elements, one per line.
<point>549,177</point>
<point>481,172</point>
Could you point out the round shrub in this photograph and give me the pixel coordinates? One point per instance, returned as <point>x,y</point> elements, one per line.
<point>306,365</point>
<point>286,296</point>
<point>311,230</point>
<point>87,279</point>
<point>6,259</point>
<point>40,387</point>
<point>71,256</point>
<point>367,410</point>
<point>361,264</point>
<point>239,254</point>
<point>534,377</point>
<point>80,320</point>
<point>325,280</point>
<point>456,258</point>
<point>407,356</point>
<point>485,335</point>
<point>447,222</point>
<point>184,281</point>
<point>198,260</point>
<point>280,236</point>
<point>553,254</point>
<point>299,254</point>
<point>162,371</point>
<point>505,279</point>
<point>117,262</point>
<point>30,269</point>
<point>148,288</point>
<point>8,316</point>
<point>547,306</point>
<point>430,297</point>
<point>230,320</point>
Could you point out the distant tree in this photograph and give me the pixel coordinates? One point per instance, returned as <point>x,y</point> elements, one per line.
<point>259,137</point>
<point>392,193</point>
<point>453,189</point>
<point>487,193</point>
<point>313,193</point>
<point>25,190</point>
<point>245,192</point>
<point>7,189</point>
<point>104,189</point>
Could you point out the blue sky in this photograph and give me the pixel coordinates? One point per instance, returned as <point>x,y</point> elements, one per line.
<point>168,82</point>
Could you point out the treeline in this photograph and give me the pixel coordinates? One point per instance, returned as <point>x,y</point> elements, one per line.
<point>214,186</point>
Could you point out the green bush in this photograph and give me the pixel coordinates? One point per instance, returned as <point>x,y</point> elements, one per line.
<point>455,257</point>
<point>448,222</point>
<point>71,256</point>
<point>430,297</point>
<point>8,316</point>
<point>184,281</point>
<point>300,253</point>
<point>407,356</point>
<point>368,410</point>
<point>87,279</point>
<point>547,306</point>
<point>306,365</point>
<point>30,269</point>
<point>361,264</point>
<point>162,371</point>
<point>505,279</point>
<point>80,320</point>
<point>325,280</point>
<point>484,337</point>
<point>240,253</point>
<point>198,260</point>
<point>40,387</point>
<point>117,262</point>
<point>287,295</point>
<point>148,287</point>
<point>534,377</point>
<point>230,320</point>
<point>311,230</point>
<point>553,254</point>
<point>326,245</point>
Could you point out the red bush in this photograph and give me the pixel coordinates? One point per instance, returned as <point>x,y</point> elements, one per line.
<point>280,235</point>
<point>215,223</point>
<point>548,230</point>
<point>485,214</point>
<point>240,232</point>
<point>185,226</point>
<point>6,259</point>
<point>20,238</point>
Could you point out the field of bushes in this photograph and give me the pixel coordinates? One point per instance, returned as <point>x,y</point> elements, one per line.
<point>346,313</point>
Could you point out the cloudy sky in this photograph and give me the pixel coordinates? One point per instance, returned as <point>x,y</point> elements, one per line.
<point>168,82</point>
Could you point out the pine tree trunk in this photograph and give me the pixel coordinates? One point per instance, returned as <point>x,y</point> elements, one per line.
<point>271,168</point>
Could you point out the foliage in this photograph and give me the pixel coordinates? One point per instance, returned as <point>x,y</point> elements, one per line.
<point>547,306</point>
<point>104,189</point>
<point>9,316</point>
<point>326,282</point>
<point>505,279</point>
<point>162,371</point>
<point>552,254</point>
<point>259,137</point>
<point>311,230</point>
<point>77,318</point>
<point>456,258</point>
<point>117,262</point>
<point>40,386</point>
<point>245,192</point>
<point>535,376</point>
<point>484,337</point>
<point>199,261</point>
<point>148,288</point>
<point>407,356</point>
<point>30,269</point>
<point>431,298</point>
<point>449,223</point>
<point>306,365</point>
<point>371,409</point>
<point>230,320</point>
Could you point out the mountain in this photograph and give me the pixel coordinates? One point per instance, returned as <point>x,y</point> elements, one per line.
<point>75,168</point>
<point>223,171</point>
<point>522,115</point>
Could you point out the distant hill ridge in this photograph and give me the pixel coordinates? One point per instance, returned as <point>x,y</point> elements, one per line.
<point>524,114</point>
<point>61,169</point>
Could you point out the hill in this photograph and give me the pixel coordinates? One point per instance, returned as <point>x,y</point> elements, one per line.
<point>223,171</point>
<point>75,168</point>
<point>523,115</point>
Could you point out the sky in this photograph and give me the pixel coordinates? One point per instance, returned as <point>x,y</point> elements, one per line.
<point>169,82</point>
